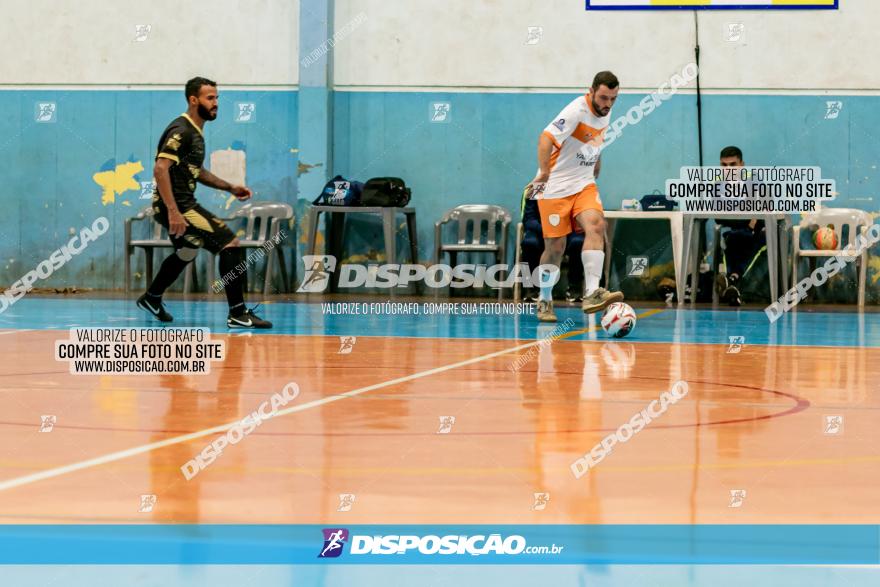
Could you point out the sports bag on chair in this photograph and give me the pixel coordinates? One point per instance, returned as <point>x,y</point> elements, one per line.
<point>386,191</point>
<point>340,192</point>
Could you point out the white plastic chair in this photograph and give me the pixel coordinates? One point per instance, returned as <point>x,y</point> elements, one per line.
<point>475,215</point>
<point>158,239</point>
<point>855,221</point>
<point>262,225</point>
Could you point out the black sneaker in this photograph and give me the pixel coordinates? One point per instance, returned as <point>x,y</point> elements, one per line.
<point>530,295</point>
<point>731,296</point>
<point>247,320</point>
<point>573,296</point>
<point>156,308</point>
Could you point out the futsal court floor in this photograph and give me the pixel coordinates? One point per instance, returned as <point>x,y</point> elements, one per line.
<point>369,417</point>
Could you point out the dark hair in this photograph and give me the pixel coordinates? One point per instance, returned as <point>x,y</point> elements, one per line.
<point>607,79</point>
<point>731,152</point>
<point>195,84</point>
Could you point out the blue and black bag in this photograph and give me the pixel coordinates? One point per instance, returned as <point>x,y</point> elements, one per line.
<point>341,192</point>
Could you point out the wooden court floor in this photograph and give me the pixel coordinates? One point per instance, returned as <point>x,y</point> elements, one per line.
<point>370,423</point>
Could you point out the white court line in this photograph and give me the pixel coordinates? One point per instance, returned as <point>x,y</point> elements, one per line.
<point>17,331</point>
<point>130,452</point>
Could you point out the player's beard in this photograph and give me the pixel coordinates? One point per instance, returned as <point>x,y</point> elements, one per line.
<point>601,111</point>
<point>206,114</point>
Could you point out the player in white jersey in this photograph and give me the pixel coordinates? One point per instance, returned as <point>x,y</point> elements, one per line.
<point>568,199</point>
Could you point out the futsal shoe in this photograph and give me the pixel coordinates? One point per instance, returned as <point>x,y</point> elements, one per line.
<point>721,284</point>
<point>573,297</point>
<point>599,300</point>
<point>156,308</point>
<point>247,320</point>
<point>545,311</point>
<point>731,294</point>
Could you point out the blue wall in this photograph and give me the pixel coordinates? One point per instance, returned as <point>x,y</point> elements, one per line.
<point>47,176</point>
<point>485,153</point>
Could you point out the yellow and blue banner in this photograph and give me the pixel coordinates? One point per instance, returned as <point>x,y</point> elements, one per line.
<point>711,4</point>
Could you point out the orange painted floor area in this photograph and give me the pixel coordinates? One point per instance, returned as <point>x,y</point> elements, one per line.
<point>368,424</point>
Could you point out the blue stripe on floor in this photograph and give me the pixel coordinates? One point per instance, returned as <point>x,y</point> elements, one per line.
<point>802,328</point>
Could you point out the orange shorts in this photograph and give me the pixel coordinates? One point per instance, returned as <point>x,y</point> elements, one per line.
<point>558,214</point>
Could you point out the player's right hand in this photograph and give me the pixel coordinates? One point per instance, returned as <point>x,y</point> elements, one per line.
<point>176,223</point>
<point>535,189</point>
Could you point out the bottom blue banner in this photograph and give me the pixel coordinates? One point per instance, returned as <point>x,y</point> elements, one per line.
<point>442,544</point>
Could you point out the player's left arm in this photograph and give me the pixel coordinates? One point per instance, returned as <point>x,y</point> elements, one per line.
<point>597,168</point>
<point>209,179</point>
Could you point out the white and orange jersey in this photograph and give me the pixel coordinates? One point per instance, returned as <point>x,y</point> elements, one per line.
<point>571,166</point>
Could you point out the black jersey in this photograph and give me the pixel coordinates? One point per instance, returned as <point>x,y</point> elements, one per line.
<point>183,143</point>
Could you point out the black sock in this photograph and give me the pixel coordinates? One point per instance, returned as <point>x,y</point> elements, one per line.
<point>233,268</point>
<point>170,270</point>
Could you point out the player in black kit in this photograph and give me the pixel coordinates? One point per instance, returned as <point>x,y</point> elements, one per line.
<point>179,160</point>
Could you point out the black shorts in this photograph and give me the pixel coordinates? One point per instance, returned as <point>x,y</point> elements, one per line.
<point>203,229</point>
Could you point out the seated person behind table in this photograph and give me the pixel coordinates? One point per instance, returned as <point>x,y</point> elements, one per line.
<point>743,242</point>
<point>533,245</point>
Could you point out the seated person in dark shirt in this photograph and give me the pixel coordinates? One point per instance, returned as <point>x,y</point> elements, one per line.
<point>743,242</point>
<point>533,246</point>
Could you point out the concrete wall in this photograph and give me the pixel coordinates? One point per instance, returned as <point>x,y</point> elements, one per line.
<point>113,96</point>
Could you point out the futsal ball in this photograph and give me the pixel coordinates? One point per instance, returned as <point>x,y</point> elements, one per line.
<point>619,319</point>
<point>825,239</point>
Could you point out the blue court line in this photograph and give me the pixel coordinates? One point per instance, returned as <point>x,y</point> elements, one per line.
<point>800,328</point>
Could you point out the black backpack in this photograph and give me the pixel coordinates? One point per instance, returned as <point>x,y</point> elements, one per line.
<point>385,191</point>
